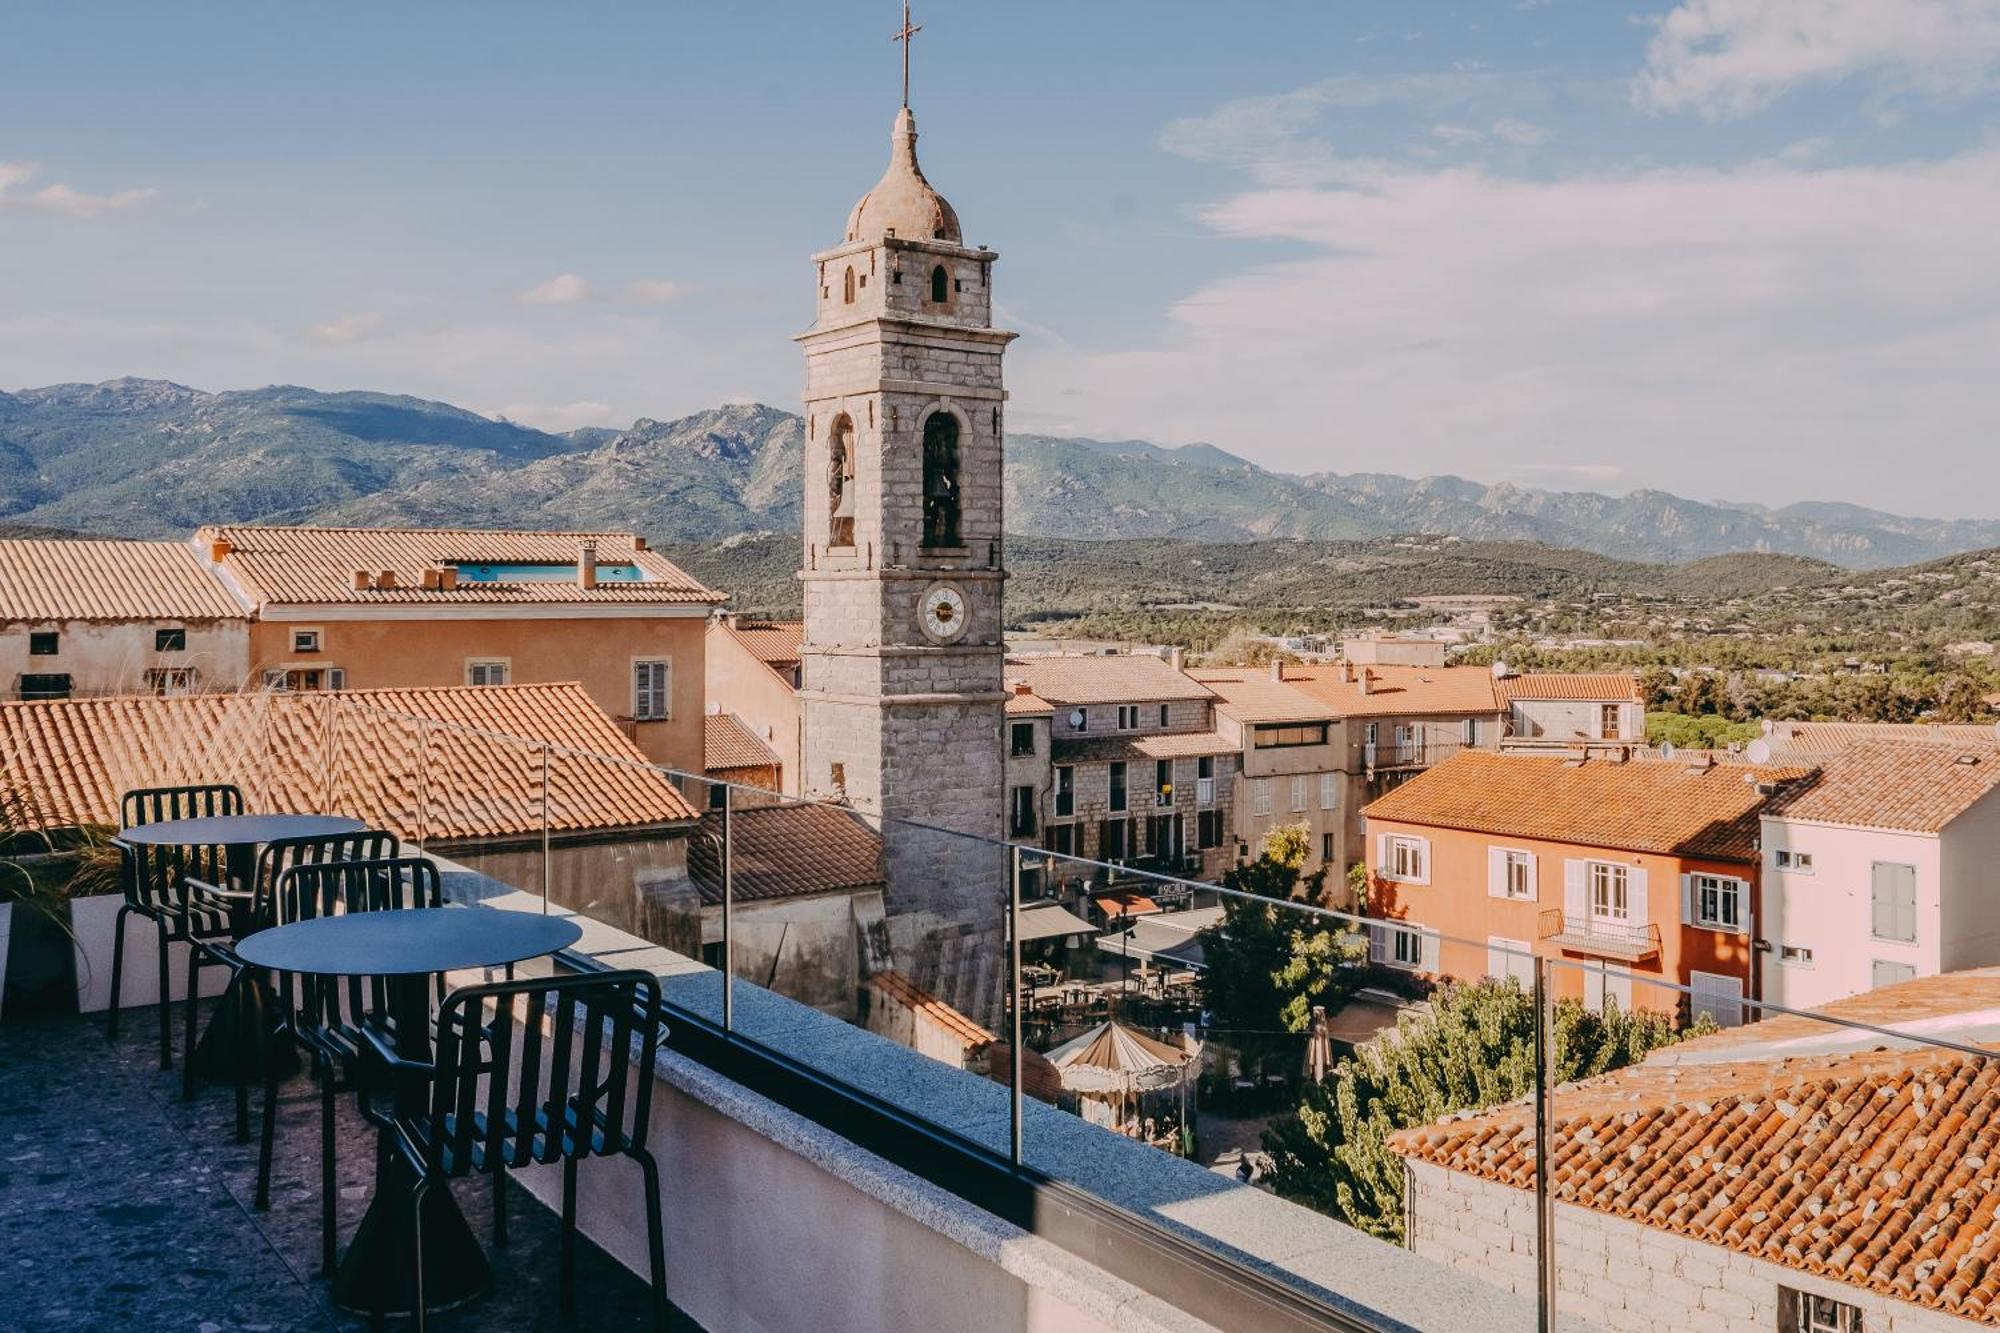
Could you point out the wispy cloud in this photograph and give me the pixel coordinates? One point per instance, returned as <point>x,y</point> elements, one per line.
<point>345,330</point>
<point>61,199</point>
<point>1727,58</point>
<point>556,417</point>
<point>562,289</point>
<point>1521,133</point>
<point>652,291</point>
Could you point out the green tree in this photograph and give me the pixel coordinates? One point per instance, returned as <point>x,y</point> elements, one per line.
<point>1475,1049</point>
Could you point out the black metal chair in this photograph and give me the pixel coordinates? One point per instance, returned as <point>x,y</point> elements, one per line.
<point>250,908</point>
<point>325,1015</point>
<point>154,879</point>
<point>549,1072</point>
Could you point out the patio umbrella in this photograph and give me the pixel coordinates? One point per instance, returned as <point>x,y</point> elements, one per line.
<point>1113,1058</point>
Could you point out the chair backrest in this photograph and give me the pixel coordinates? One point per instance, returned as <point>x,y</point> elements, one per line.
<point>276,857</point>
<point>560,1067</point>
<point>153,875</point>
<point>320,888</point>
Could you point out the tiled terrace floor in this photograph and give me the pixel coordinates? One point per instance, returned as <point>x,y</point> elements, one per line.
<point>123,1207</point>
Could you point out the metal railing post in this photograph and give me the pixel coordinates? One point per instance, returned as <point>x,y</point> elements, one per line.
<point>728,912</point>
<point>1545,1213</point>
<point>545,827</point>
<point>1015,1107</point>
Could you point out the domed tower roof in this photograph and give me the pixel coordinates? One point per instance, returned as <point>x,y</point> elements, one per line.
<point>903,201</point>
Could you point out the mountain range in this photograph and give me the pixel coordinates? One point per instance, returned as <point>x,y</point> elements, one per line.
<point>149,458</point>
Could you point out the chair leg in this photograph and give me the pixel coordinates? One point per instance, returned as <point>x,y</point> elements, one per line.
<point>246,1024</point>
<point>117,972</point>
<point>417,1193</point>
<point>499,1206</point>
<point>268,1134</point>
<point>166,995</point>
<point>193,1024</point>
<point>567,1289</point>
<point>329,1187</point>
<point>656,1237</point>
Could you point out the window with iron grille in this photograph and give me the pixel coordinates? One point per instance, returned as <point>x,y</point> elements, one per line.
<point>1803,1312</point>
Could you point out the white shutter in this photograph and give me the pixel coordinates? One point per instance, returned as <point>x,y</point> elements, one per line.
<point>1534,888</point>
<point>1496,872</point>
<point>1378,944</point>
<point>1382,854</point>
<point>1576,899</point>
<point>1687,900</point>
<point>1635,899</point>
<point>1429,946</point>
<point>1423,875</point>
<point>1618,986</point>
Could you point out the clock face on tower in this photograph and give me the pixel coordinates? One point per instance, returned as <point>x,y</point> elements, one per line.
<point>944,617</point>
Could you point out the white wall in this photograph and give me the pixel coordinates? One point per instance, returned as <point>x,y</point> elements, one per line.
<point>1568,719</point>
<point>1970,872</point>
<point>112,658</point>
<point>1829,910</point>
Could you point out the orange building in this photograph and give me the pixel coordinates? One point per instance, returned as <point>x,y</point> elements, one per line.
<point>1623,872</point>
<point>364,608</point>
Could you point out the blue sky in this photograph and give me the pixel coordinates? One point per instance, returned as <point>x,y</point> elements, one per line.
<point>1739,249</point>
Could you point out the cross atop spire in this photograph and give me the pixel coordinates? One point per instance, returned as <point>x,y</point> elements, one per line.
<point>909,31</point>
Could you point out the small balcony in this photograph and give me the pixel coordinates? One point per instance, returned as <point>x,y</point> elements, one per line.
<point>1631,941</point>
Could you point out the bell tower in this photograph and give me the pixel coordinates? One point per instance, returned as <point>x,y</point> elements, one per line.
<point>902,662</point>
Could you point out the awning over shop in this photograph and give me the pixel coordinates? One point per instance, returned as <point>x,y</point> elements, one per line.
<point>1048,921</point>
<point>1167,940</point>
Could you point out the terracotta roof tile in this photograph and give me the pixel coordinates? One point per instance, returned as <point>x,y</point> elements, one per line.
<point>1793,742</point>
<point>1024,702</point>
<point>104,580</point>
<point>790,850</point>
<point>67,762</point>
<point>1117,678</point>
<point>1912,786</point>
<point>915,998</point>
<point>1638,807</point>
<point>773,642</point>
<point>1400,690</point>
<point>317,565</point>
<point>1879,1169</point>
<point>1249,694</point>
<point>1610,687</point>
<point>1158,745</point>
<point>727,741</point>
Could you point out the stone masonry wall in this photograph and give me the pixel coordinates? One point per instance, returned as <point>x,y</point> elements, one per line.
<point>1618,1275</point>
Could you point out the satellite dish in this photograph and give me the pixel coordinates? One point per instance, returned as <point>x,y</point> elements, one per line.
<point>1667,750</point>
<point>1758,751</point>
<point>1500,671</point>
<point>1076,719</point>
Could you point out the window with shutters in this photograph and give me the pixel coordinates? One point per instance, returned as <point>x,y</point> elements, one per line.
<point>1163,782</point>
<point>1803,1312</point>
<point>1882,972</point>
<point>1329,790</point>
<point>652,689</point>
<point>1065,790</point>
<point>1060,839</point>
<point>1610,891</point>
<point>1260,796</point>
<point>1204,779</point>
<point>1516,873</point>
<point>1326,848</point>
<point>1208,829</point>
<point>1893,902</point>
<point>485,671</point>
<point>1717,901</point>
<point>1298,792</point>
<point>1021,823</point>
<point>1404,859</point>
<point>1406,948</point>
<point>1510,958</point>
<point>1113,839</point>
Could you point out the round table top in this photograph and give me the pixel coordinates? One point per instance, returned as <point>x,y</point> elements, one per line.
<point>238,830</point>
<point>408,941</point>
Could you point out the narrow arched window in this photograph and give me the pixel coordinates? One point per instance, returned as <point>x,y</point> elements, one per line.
<point>840,482</point>
<point>940,286</point>
<point>941,480</point>
<point>847,288</point>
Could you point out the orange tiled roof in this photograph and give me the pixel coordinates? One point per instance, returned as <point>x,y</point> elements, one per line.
<point>316,565</point>
<point>1635,807</point>
<point>1249,694</point>
<point>1400,690</point>
<point>1792,742</point>
<point>1608,687</point>
<point>915,998</point>
<point>1118,678</point>
<point>363,753</point>
<point>1026,703</point>
<point>728,742</point>
<point>1878,1169</point>
<point>104,580</point>
<point>773,642</point>
<point>789,850</point>
<point>1158,745</point>
<point>1911,786</point>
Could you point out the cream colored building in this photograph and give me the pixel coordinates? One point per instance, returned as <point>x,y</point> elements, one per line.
<point>82,618</point>
<point>752,672</point>
<point>1290,769</point>
<point>1882,866</point>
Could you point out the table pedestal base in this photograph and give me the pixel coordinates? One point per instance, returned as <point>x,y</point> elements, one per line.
<point>228,1048</point>
<point>376,1267</point>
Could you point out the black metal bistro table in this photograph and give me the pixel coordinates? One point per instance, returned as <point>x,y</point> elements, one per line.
<point>407,949</point>
<point>231,1046</point>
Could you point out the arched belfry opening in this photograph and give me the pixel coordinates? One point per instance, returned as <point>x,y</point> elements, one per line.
<point>847,286</point>
<point>941,480</point>
<point>840,482</point>
<point>940,286</point>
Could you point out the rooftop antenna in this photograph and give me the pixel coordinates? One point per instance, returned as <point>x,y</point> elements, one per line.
<point>909,30</point>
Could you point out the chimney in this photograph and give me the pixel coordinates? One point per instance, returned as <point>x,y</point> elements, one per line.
<point>386,580</point>
<point>586,565</point>
<point>363,580</point>
<point>1367,680</point>
<point>448,579</point>
<point>639,544</point>
<point>219,549</point>
<point>1347,671</point>
<point>1023,688</point>
<point>1277,668</point>
<point>1177,658</point>
<point>432,580</point>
